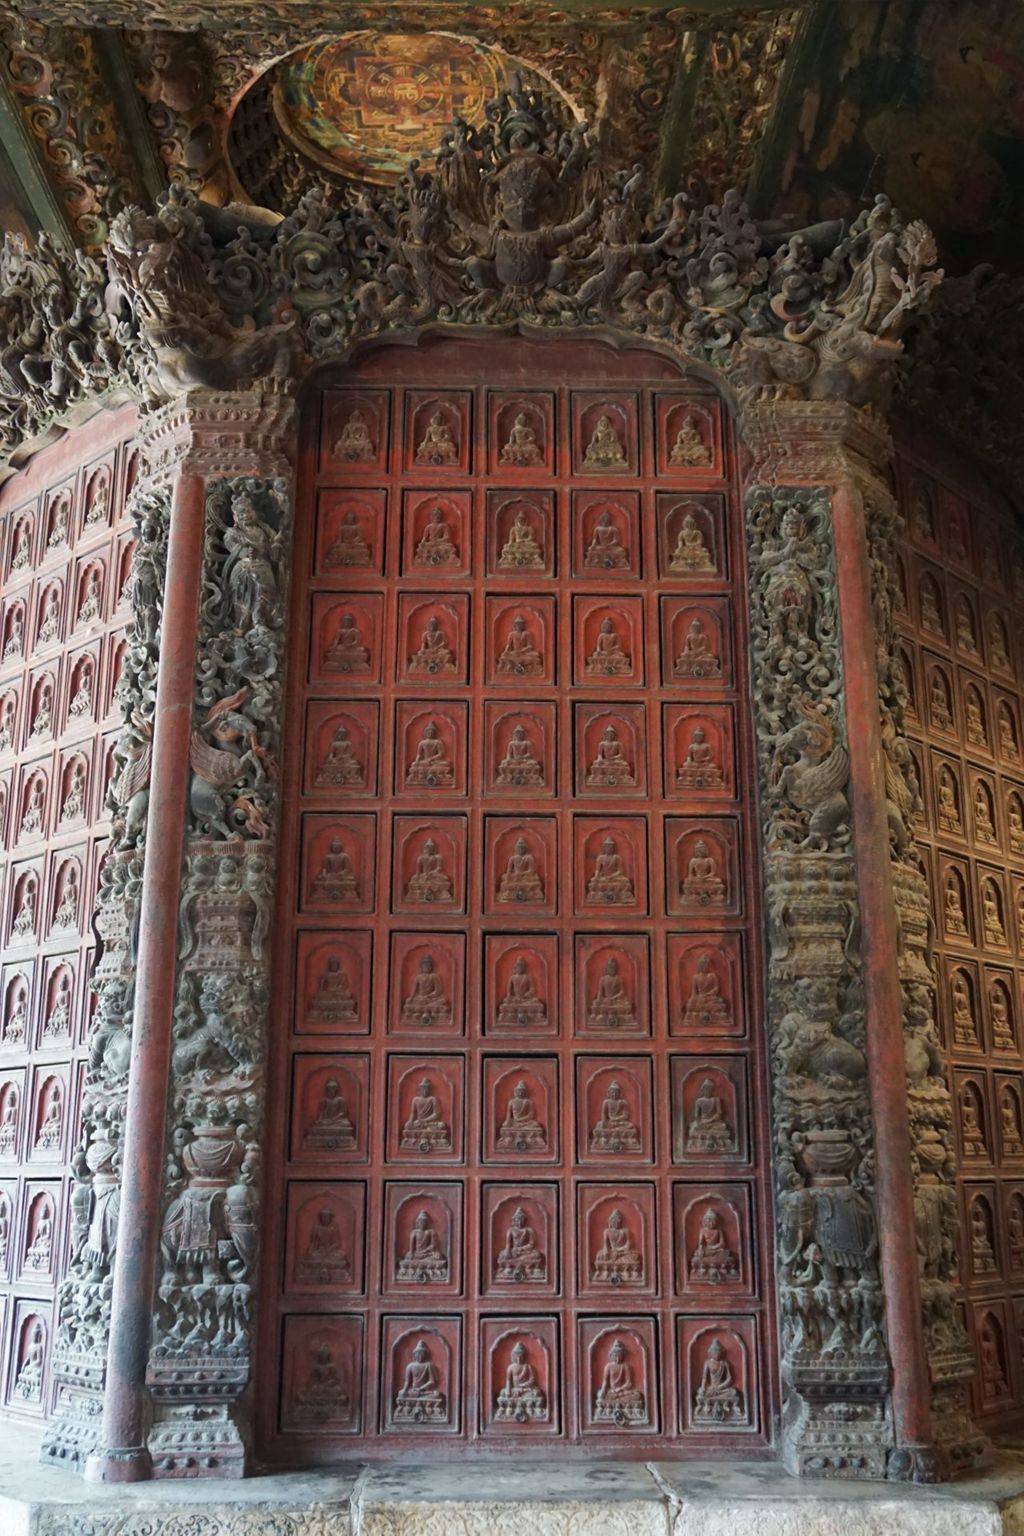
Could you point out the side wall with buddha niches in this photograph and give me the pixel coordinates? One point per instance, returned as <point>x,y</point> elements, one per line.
<point>960,614</point>
<point>65,558</point>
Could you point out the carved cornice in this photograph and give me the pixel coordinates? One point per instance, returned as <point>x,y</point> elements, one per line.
<point>221,434</point>
<point>822,441</point>
<point>522,222</point>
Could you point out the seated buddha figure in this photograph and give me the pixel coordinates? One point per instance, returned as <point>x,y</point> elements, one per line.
<point>521,881</point>
<point>521,1008</point>
<point>346,652</point>
<point>992,917</point>
<point>424,1259</point>
<point>1003,1038</point>
<point>614,1131</point>
<point>712,1259</point>
<point>618,1399</point>
<point>436,545</point>
<point>521,551</point>
<point>520,1397</point>
<point>426,1003</point>
<point>697,659</point>
<point>953,910</point>
<point>611,768</point>
<point>965,1030</point>
<point>419,1400</point>
<point>429,766</point>
<point>604,451</point>
<point>949,814</point>
<point>349,547</point>
<point>519,766</point>
<point>331,1130</point>
<point>607,659</point>
<point>617,1262</point>
<point>429,882</point>
<point>340,766</point>
<point>983,1257</point>
<point>1015,1235</point>
<point>437,446</point>
<point>425,1129</point>
<point>611,1007</point>
<point>335,880</point>
<point>702,883</point>
<point>433,655</point>
<point>322,1395</point>
<point>522,447</point>
<point>520,658</point>
<point>709,1130</point>
<point>324,1260</point>
<point>610,883</point>
<point>689,449</point>
<point>521,1131</point>
<point>605,551</point>
<point>333,1001</point>
<point>983,826</point>
<point>1009,1121</point>
<point>521,1259</point>
<point>699,770</point>
<point>705,1004</point>
<point>691,553</point>
<point>355,445</point>
<point>971,1133</point>
<point>717,1400</point>
<point>1015,823</point>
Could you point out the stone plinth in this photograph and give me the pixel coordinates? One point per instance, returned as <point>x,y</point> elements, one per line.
<point>520,1498</point>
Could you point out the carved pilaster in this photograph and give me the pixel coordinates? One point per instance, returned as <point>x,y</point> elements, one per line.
<point>834,1363</point>
<point>80,1351</point>
<point>848,449</point>
<point>200,1357</point>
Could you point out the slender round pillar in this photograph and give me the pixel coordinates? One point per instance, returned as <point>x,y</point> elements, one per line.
<point>123,1456</point>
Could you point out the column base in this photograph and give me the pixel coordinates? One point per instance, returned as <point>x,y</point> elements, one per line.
<point>117,1464</point>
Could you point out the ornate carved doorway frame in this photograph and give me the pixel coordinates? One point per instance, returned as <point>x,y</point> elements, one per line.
<point>581,487</point>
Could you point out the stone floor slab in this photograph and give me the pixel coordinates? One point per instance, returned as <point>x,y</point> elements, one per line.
<point>511,1498</point>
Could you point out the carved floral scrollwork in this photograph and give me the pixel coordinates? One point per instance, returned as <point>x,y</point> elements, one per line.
<point>79,1359</point>
<point>522,220</point>
<point>833,1352</point>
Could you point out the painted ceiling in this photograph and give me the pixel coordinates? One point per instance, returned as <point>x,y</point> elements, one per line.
<point>810,108</point>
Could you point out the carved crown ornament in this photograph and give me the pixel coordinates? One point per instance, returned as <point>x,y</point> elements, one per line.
<point>518,223</point>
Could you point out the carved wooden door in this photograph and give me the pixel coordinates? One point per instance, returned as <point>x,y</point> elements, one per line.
<point>518,1194</point>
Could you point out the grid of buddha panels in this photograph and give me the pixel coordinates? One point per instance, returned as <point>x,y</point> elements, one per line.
<point>65,551</point>
<point>961,620</point>
<point>521,1195</point>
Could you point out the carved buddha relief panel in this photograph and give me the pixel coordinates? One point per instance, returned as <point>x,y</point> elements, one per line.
<point>520,1115</point>
<point>961,617</point>
<point>65,554</point>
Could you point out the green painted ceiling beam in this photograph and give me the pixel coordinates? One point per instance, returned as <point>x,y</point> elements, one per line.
<point>131,112</point>
<point>675,135</point>
<point>29,166</point>
<point>803,62</point>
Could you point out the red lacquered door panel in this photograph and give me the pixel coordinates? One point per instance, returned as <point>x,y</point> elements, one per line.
<point>517,1184</point>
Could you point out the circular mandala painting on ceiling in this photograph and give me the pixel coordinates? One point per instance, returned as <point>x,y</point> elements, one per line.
<point>363,104</point>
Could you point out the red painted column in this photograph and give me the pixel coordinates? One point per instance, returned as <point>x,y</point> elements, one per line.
<point>123,1456</point>
<point>894,1185</point>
